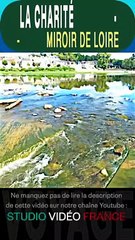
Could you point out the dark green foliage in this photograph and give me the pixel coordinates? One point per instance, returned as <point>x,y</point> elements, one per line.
<point>103,60</point>
<point>4,62</point>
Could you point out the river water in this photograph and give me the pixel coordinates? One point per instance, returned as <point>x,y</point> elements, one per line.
<point>85,147</point>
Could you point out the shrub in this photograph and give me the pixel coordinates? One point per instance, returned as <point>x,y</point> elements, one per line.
<point>4,62</point>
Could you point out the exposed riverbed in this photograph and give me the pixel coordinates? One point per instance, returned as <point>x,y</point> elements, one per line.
<point>86,147</point>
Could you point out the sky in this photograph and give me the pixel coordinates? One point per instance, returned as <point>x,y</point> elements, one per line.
<point>121,55</point>
<point>115,55</point>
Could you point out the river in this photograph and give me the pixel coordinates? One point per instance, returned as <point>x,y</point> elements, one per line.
<point>85,147</point>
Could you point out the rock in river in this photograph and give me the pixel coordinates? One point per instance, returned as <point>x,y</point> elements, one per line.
<point>104,172</point>
<point>74,94</point>
<point>48,106</point>
<point>72,122</point>
<point>46,94</point>
<point>63,108</point>
<point>57,110</point>
<point>57,116</point>
<point>43,94</point>
<point>42,120</point>
<point>119,149</point>
<point>52,168</point>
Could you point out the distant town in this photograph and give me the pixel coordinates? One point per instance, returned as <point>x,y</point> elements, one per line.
<point>76,61</point>
<point>47,60</point>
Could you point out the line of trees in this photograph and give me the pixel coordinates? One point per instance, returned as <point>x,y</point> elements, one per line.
<point>78,57</point>
<point>129,63</point>
<point>102,60</point>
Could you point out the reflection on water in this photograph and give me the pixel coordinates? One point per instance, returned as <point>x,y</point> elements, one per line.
<point>82,146</point>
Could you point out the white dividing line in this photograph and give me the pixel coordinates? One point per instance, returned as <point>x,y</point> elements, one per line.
<point>115,18</point>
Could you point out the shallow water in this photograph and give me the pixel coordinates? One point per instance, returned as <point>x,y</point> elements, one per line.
<point>39,150</point>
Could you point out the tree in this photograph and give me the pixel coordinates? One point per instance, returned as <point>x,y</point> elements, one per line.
<point>117,63</point>
<point>4,62</point>
<point>76,57</point>
<point>103,60</point>
<point>129,63</point>
<point>133,56</point>
<point>13,62</point>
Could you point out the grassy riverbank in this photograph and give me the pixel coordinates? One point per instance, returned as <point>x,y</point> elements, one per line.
<point>125,175</point>
<point>37,71</point>
<point>61,71</point>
